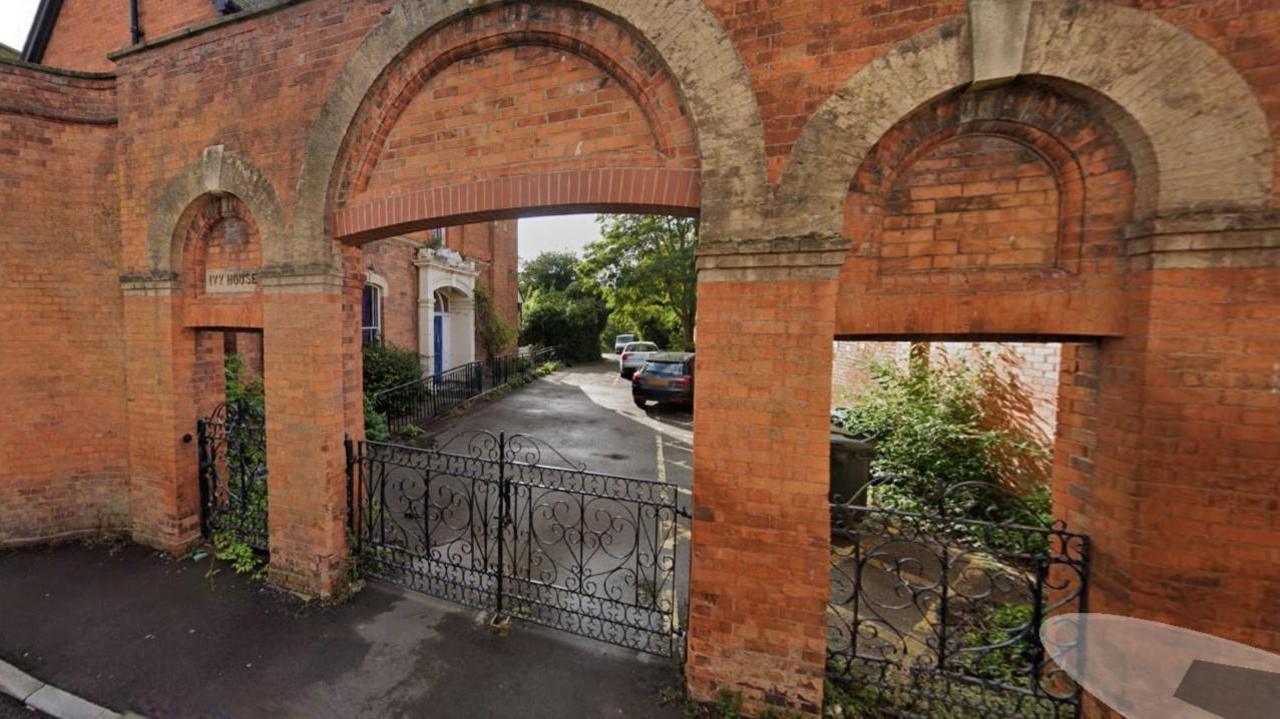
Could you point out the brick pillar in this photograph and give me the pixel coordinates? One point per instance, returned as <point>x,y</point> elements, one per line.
<point>1182,493</point>
<point>305,325</point>
<point>761,537</point>
<point>164,497</point>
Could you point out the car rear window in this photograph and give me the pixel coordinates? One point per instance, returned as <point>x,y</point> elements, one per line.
<point>664,369</point>
<point>642,347</point>
<point>625,338</point>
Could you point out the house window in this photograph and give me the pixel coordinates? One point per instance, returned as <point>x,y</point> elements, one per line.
<point>371,316</point>
<point>437,237</point>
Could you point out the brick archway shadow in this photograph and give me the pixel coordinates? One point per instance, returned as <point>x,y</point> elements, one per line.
<point>1201,143</point>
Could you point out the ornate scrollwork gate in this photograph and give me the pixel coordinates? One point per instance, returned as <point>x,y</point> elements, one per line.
<point>480,520</point>
<point>937,596</point>
<point>233,473</point>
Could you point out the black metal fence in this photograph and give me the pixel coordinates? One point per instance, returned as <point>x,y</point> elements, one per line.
<point>421,400</point>
<point>936,604</point>
<point>481,521</point>
<point>232,446</point>
<point>506,368</point>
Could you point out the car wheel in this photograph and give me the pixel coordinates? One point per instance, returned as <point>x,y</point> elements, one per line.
<point>642,404</point>
<point>628,373</point>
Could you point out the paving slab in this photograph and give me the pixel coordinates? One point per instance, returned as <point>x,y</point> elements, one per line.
<point>17,683</point>
<point>64,705</point>
<point>130,629</point>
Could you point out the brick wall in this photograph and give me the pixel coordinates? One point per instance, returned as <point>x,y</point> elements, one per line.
<point>1029,372</point>
<point>63,453</point>
<point>161,17</point>
<point>393,260</point>
<point>973,201</point>
<point>1153,471</point>
<point>957,199</point>
<point>86,31</point>
<point>493,246</point>
<point>517,109</point>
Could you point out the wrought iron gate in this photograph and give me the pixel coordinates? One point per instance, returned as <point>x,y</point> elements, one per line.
<point>936,604</point>
<point>233,473</point>
<point>480,520</point>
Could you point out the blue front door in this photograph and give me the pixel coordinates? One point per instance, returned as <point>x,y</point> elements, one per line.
<point>438,349</point>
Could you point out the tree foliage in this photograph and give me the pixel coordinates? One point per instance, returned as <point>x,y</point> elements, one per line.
<point>549,271</point>
<point>645,265</point>
<point>571,319</point>
<point>940,424</point>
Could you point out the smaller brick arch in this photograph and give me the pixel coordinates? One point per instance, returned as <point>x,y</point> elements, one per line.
<point>966,220</point>
<point>217,173</point>
<point>222,224</point>
<point>1199,143</point>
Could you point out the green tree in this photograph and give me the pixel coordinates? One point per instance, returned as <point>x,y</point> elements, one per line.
<point>646,262</point>
<point>549,271</point>
<point>571,320</point>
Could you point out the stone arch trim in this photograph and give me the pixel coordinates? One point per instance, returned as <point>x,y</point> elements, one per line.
<point>377,280</point>
<point>1199,143</point>
<point>698,54</point>
<point>217,172</point>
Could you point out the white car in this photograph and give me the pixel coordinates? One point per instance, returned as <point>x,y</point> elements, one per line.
<point>633,357</point>
<point>621,341</point>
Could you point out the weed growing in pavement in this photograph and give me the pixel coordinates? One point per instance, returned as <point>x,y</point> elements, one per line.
<point>242,558</point>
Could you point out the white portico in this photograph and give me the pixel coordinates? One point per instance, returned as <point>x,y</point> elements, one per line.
<point>446,309</point>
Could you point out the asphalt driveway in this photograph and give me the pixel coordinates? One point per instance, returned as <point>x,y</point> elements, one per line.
<point>585,412</point>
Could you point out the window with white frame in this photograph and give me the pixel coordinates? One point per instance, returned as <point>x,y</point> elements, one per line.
<point>371,315</point>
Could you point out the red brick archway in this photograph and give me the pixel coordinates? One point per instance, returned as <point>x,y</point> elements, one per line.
<point>513,112</point>
<point>1174,453</point>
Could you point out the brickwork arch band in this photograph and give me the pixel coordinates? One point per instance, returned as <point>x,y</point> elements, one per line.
<point>1200,143</point>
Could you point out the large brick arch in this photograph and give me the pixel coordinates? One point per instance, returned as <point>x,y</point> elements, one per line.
<point>687,39</point>
<point>1198,142</point>
<point>216,173</point>
<point>524,107</point>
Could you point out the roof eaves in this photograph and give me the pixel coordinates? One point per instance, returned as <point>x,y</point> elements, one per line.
<point>41,30</point>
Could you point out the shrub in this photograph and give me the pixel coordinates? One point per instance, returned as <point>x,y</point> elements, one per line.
<point>244,391</point>
<point>568,320</point>
<point>934,426</point>
<point>387,366</point>
<point>375,422</point>
<point>1001,644</point>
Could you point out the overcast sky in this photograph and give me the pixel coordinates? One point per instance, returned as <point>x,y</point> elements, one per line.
<point>563,232</point>
<point>15,21</point>
<point>537,234</point>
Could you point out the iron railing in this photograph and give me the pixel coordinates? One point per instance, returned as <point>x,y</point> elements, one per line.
<point>479,520</point>
<point>425,399</point>
<point>937,597</point>
<point>232,445</point>
<point>504,369</point>
<point>422,400</point>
